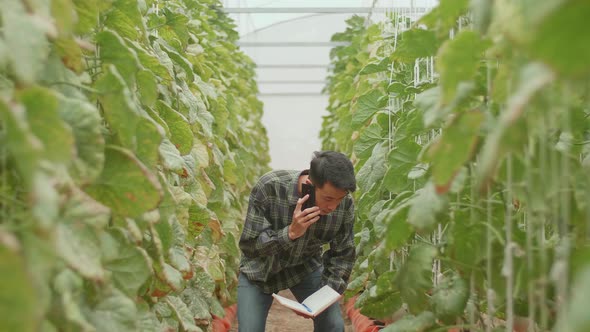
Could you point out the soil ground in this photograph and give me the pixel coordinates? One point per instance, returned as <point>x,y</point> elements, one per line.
<point>281,319</point>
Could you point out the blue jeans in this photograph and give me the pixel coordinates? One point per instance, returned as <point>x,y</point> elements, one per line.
<point>253,305</point>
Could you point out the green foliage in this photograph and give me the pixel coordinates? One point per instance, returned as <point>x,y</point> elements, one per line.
<point>130,139</point>
<point>476,172</point>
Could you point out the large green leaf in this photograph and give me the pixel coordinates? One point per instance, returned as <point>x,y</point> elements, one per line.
<point>113,312</point>
<point>20,141</point>
<point>401,161</point>
<point>457,61</point>
<point>449,298</point>
<point>125,184</point>
<point>381,300</point>
<point>171,158</point>
<point>149,137</point>
<point>25,41</point>
<point>68,285</point>
<point>120,110</point>
<point>43,117</point>
<point>183,314</point>
<point>18,301</point>
<point>125,18</point>
<point>427,208</point>
<point>453,148</point>
<point>414,278</point>
<point>85,122</point>
<point>126,262</point>
<point>78,245</point>
<point>409,323</point>
<point>114,51</point>
<point>560,29</point>
<point>367,105</point>
<point>369,137</point>
<point>180,129</point>
<point>413,44</point>
<point>374,168</point>
<point>445,15</point>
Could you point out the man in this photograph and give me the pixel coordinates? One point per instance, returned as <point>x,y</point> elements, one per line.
<point>282,244</point>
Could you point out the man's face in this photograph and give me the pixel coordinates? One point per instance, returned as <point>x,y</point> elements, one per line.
<point>328,197</point>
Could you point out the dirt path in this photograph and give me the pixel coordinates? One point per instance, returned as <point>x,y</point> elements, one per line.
<point>281,319</point>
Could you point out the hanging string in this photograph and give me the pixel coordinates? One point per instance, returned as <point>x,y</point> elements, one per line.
<point>508,267</point>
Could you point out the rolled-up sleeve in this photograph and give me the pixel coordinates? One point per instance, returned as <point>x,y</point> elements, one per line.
<point>258,238</point>
<point>339,259</point>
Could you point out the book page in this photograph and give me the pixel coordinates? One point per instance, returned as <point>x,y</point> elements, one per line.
<point>322,299</point>
<point>291,304</point>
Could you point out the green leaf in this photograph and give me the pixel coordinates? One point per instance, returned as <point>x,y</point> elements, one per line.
<point>413,44</point>
<point>125,18</point>
<point>182,313</point>
<point>85,122</point>
<point>63,13</point>
<point>414,278</point>
<point>383,299</point>
<point>68,285</point>
<point>147,87</point>
<point>368,139</point>
<point>114,51</point>
<point>401,161</point>
<point>120,110</point>
<point>170,155</point>
<point>453,148</point>
<point>46,124</point>
<point>449,298</point>
<point>409,323</point>
<point>149,137</point>
<point>376,67</point>
<point>398,229</point>
<point>114,312</point>
<point>445,15</point>
<point>18,301</point>
<point>78,245</point>
<point>87,11</point>
<point>427,207</point>
<point>24,37</point>
<point>196,303</point>
<point>126,262</point>
<point>125,184</point>
<point>374,169</point>
<point>180,130</point>
<point>24,147</point>
<point>559,30</point>
<point>457,61</point>
<point>161,66</point>
<point>367,105</point>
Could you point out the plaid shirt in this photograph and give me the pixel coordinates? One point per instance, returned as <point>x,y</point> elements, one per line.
<point>273,261</point>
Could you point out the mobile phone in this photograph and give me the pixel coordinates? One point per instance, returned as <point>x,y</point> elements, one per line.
<point>308,189</point>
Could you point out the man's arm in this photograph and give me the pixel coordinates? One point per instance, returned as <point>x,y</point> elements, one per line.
<point>339,260</point>
<point>258,238</point>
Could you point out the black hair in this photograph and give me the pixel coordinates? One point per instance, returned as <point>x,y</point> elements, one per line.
<point>334,167</point>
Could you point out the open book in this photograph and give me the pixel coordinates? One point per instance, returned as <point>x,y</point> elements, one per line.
<point>314,304</point>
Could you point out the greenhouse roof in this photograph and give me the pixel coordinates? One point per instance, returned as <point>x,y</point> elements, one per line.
<point>290,41</point>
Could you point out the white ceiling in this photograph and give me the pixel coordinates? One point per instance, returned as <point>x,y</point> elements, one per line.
<point>293,63</point>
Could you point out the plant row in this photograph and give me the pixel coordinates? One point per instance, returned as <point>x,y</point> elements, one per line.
<point>470,133</point>
<point>130,136</point>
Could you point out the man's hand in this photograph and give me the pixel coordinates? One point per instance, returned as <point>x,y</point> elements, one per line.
<point>303,219</point>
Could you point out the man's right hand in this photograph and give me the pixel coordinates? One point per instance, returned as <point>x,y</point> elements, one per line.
<point>303,219</point>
